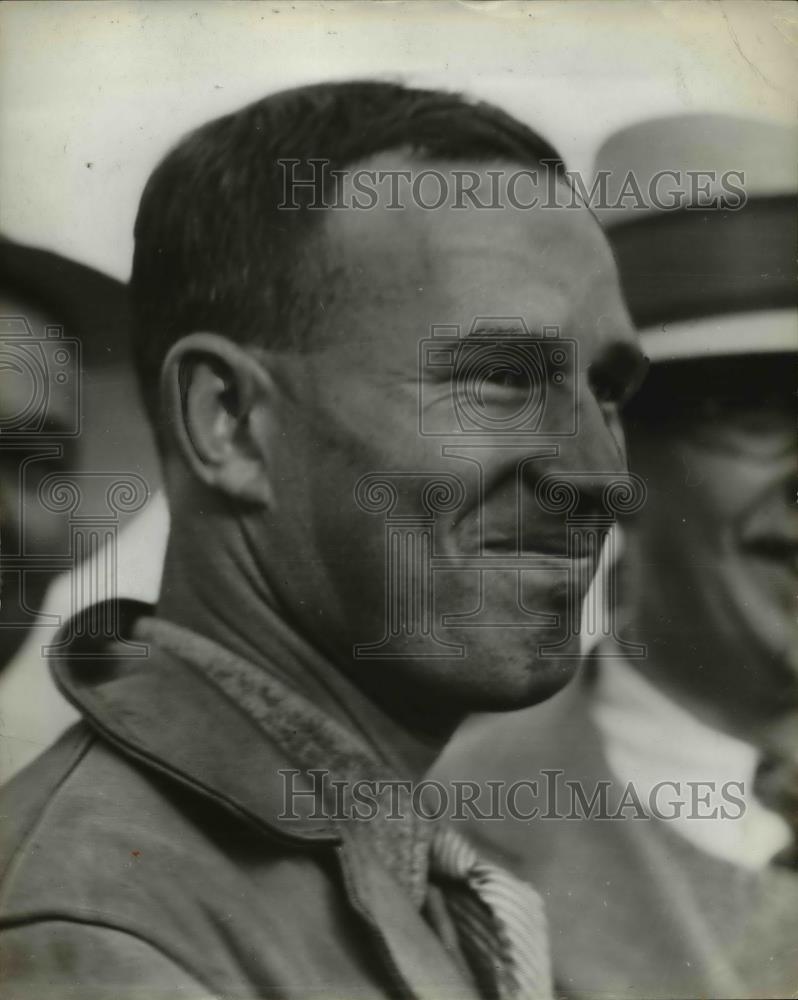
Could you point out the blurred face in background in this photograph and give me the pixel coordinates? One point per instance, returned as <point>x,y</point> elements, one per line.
<point>32,538</point>
<point>712,558</point>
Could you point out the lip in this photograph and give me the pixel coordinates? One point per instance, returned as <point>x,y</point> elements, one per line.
<point>539,546</point>
<point>776,549</point>
<point>550,537</point>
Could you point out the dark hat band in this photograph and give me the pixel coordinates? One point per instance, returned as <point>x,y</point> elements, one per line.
<point>688,264</point>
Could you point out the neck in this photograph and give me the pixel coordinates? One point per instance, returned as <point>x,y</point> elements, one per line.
<point>213,584</point>
<point>207,589</point>
<point>678,669</point>
<point>684,649</point>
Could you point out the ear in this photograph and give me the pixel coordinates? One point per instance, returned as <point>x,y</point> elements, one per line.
<point>219,406</point>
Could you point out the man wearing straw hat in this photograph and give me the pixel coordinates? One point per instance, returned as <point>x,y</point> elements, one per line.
<point>667,774</point>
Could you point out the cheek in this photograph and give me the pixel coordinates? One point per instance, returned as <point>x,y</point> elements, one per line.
<point>679,517</point>
<point>322,461</point>
<point>695,502</point>
<point>719,487</point>
<point>369,429</point>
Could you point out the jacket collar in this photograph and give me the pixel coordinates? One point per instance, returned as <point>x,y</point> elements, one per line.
<point>160,711</point>
<point>326,747</point>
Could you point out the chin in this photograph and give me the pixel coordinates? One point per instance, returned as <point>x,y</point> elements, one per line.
<point>492,649</point>
<point>762,623</point>
<point>527,658</point>
<point>502,673</point>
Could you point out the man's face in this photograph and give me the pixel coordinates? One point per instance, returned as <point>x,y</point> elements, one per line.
<point>718,539</point>
<point>33,539</point>
<point>449,594</point>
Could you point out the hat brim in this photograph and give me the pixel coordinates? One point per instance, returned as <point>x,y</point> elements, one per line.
<point>761,332</point>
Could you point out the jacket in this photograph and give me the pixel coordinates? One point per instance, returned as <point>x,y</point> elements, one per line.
<point>634,909</point>
<point>149,854</point>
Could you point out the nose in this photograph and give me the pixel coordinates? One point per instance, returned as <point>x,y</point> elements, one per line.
<point>586,474</point>
<point>597,445</point>
<point>773,514</point>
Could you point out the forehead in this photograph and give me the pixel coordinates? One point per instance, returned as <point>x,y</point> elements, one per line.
<point>422,266</point>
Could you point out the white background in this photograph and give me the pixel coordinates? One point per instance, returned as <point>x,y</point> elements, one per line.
<point>93,94</point>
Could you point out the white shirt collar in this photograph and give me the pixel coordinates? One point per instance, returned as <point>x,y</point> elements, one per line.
<point>649,739</point>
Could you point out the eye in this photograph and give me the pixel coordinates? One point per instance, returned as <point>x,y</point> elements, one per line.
<point>493,364</point>
<point>744,416</point>
<point>507,376</point>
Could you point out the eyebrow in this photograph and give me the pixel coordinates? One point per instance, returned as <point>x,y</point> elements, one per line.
<point>620,369</point>
<point>511,330</point>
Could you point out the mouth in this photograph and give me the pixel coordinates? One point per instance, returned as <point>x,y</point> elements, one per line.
<point>579,546</point>
<point>498,531</point>
<point>777,550</point>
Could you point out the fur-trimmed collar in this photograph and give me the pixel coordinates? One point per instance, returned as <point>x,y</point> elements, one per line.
<point>317,741</point>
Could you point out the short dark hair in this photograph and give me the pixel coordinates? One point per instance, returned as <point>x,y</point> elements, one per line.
<point>212,249</point>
